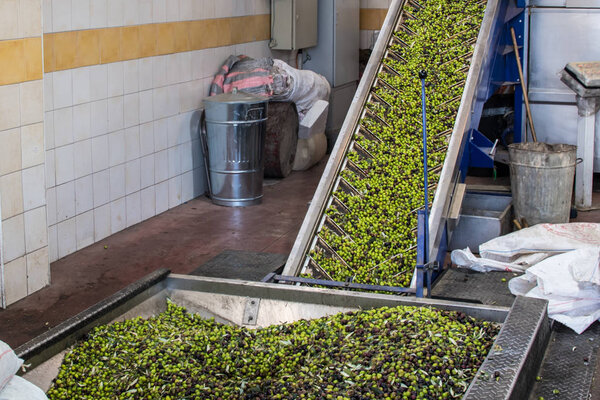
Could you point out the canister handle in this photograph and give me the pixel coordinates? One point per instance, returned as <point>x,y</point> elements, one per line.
<point>204,145</point>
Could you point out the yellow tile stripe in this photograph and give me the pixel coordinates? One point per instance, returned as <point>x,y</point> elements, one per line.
<point>372,18</point>
<point>66,50</point>
<point>20,60</point>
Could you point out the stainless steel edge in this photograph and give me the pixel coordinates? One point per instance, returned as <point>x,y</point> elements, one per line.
<point>448,178</point>
<point>309,295</point>
<point>318,203</point>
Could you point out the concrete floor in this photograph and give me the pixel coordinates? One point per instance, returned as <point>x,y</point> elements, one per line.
<point>180,239</point>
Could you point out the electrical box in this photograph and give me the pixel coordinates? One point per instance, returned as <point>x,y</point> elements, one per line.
<point>293,24</point>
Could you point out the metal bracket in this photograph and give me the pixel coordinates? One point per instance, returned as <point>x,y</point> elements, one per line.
<point>251,311</point>
<point>481,150</point>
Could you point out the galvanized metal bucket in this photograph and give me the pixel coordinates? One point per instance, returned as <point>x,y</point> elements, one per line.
<point>233,130</point>
<point>541,179</point>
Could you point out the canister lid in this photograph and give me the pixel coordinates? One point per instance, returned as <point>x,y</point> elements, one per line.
<point>236,97</point>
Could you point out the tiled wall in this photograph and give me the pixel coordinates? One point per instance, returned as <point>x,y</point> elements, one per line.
<point>121,106</point>
<point>23,235</point>
<point>372,14</point>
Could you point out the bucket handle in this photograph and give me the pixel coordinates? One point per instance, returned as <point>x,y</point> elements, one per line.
<point>250,113</point>
<point>577,161</point>
<point>204,146</point>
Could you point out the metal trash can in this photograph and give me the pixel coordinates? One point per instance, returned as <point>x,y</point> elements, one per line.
<point>233,140</point>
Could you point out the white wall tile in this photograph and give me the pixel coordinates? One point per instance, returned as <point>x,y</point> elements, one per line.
<point>101,183</point>
<point>116,148</point>
<point>50,167</point>
<point>204,9</point>
<point>100,159</point>
<point>52,243</point>
<point>147,171</point>
<point>186,156</point>
<point>146,139</point>
<point>49,130</point>
<point>15,279</point>
<point>82,158</point>
<point>117,182</point>
<point>185,66</point>
<point>172,100</point>
<point>61,15</point>
<point>65,201</point>
<point>32,145</point>
<point>36,229</point>
<point>11,191</point>
<point>81,84</point>
<point>67,237</point>
<point>10,114</point>
<point>115,79</point>
<point>63,126</point>
<point>65,164</point>
<point>9,25</point>
<point>82,122</point>
<point>131,76</point>
<point>187,186</point>
<point>131,12</point>
<point>174,161</point>
<point>32,102</point>
<point>13,238</point>
<point>84,194</point>
<point>34,187</point>
<point>145,11</point>
<point>118,215</point>
<point>80,14</point>
<point>99,117</point>
<point>161,192</point>
<point>173,69</point>
<point>38,270</point>
<point>132,143</point>
<point>159,102</point>
<point>189,126</point>
<point>146,106</point>
<point>146,76</point>
<point>98,82</point>
<point>159,71</point>
<point>224,8</point>
<point>48,91</point>
<point>175,191</point>
<point>148,203</point>
<point>98,14</point>
<point>132,176</point>
<point>174,130</point>
<point>115,12</point>
<point>30,18</point>
<point>47,15</point>
<point>161,166</point>
<point>10,151</point>
<point>159,11</point>
<point>131,110</point>
<point>172,10</point>
<point>185,9</point>
<point>62,87</point>
<point>115,113</point>
<point>85,229</point>
<point>101,222</point>
<point>134,209</point>
<point>161,134</point>
<point>51,205</point>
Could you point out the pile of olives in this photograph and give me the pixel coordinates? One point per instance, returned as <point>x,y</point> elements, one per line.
<point>382,187</point>
<point>385,353</point>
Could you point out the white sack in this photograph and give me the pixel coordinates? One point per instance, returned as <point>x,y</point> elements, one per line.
<point>21,389</point>
<point>569,282</point>
<point>9,364</point>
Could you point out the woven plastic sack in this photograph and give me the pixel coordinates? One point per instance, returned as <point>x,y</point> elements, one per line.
<point>9,364</point>
<point>21,389</point>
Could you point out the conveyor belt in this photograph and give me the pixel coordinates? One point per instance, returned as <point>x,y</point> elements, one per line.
<point>362,222</point>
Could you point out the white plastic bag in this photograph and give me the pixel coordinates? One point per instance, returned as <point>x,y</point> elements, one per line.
<point>9,364</point>
<point>569,282</point>
<point>21,389</point>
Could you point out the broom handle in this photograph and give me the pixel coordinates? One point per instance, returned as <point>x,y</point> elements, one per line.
<point>516,48</point>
